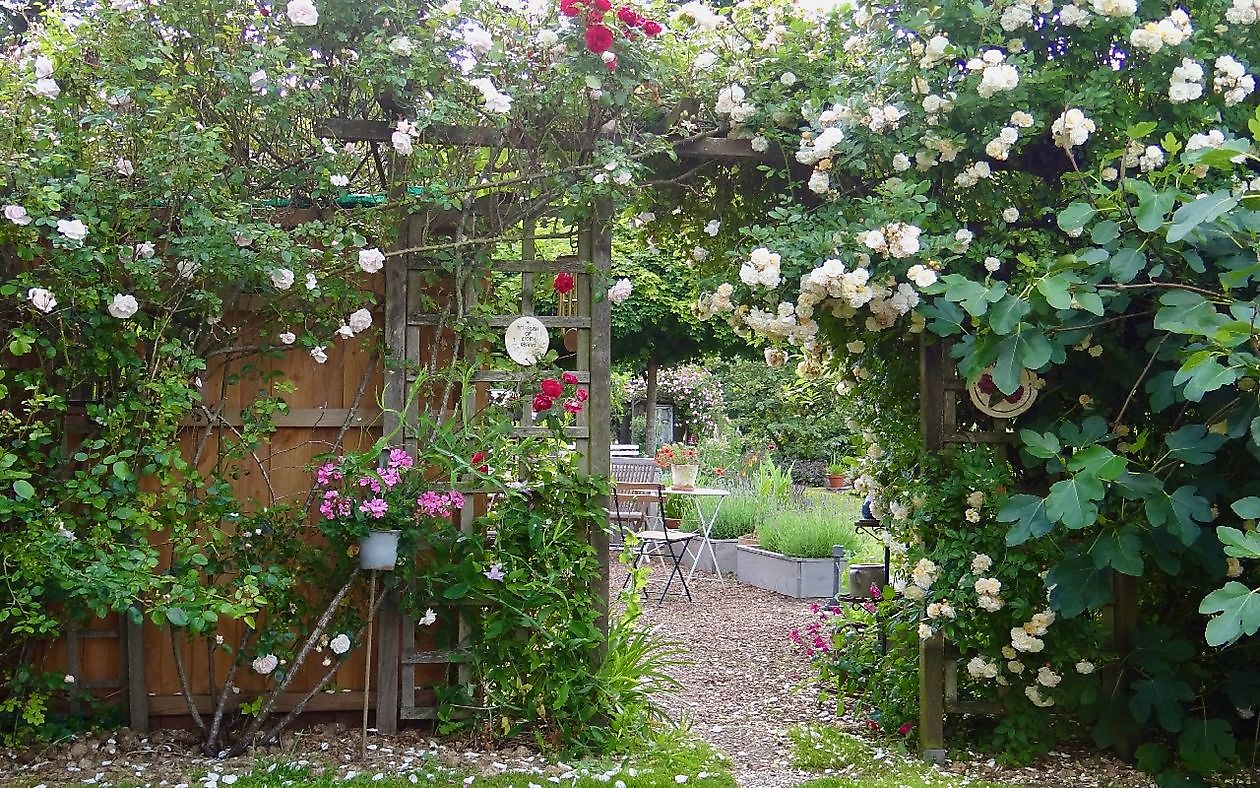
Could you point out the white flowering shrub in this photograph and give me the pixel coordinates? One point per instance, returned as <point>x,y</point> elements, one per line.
<point>1066,190</point>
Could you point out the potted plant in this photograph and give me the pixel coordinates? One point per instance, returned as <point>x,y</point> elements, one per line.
<point>371,507</point>
<point>837,474</point>
<point>680,460</point>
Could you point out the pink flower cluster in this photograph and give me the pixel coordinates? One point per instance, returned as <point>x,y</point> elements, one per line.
<point>335,505</point>
<point>435,504</point>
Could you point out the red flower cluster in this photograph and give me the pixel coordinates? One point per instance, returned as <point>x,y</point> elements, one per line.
<point>551,390</point>
<point>564,283</point>
<point>599,33</point>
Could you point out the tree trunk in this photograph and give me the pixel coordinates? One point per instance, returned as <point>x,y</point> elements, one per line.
<point>649,409</point>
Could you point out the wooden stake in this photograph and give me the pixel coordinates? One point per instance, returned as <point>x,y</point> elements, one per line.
<point>367,666</point>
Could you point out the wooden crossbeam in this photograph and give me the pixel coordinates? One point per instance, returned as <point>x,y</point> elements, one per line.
<point>500,321</point>
<point>438,657</point>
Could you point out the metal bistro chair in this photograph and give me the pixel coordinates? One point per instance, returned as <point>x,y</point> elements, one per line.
<point>638,506</point>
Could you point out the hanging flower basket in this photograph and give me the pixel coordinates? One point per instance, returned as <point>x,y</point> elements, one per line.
<point>379,550</point>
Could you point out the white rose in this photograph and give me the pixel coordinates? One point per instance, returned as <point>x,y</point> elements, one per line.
<point>187,269</point>
<point>123,306</point>
<point>401,141</point>
<point>402,46</point>
<point>318,353</point>
<point>360,320</point>
<point>339,180</point>
<point>43,67</point>
<point>302,13</point>
<point>73,229</point>
<point>281,278</point>
<point>312,281</point>
<point>340,644</point>
<point>1010,215</point>
<point>46,88</point>
<point>17,214</point>
<point>548,38</point>
<point>288,338</point>
<point>788,79</point>
<point>124,167</point>
<point>620,291</point>
<point>41,299</point>
<point>266,664</point>
<point>371,260</point>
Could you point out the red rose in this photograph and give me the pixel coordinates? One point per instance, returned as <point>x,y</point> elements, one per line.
<point>595,18</point>
<point>569,379</point>
<point>552,388</point>
<point>905,728</point>
<point>598,39</point>
<point>569,8</point>
<point>651,29</point>
<point>479,457</point>
<point>581,395</point>
<point>542,402</point>
<point>602,5</point>
<point>611,63</point>
<point>564,280</point>
<point>572,406</point>
<point>628,17</point>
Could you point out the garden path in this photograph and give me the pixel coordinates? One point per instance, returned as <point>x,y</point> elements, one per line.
<point>745,686</point>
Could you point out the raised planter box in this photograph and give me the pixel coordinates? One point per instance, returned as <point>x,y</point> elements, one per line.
<point>724,549</point>
<point>802,578</point>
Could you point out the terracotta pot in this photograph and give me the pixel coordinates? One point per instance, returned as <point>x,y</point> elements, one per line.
<point>836,480</point>
<point>673,523</point>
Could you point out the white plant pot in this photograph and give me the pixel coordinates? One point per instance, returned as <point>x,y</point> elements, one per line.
<point>379,550</point>
<point>685,476</point>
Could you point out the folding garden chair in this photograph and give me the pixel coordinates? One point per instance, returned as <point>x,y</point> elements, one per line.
<point>639,509</point>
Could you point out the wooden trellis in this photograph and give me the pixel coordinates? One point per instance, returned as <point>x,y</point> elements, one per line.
<point>407,667</point>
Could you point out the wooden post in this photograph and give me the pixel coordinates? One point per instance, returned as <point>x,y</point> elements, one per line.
<point>1124,622</point>
<point>599,408</point>
<point>137,691</point>
<point>931,393</point>
<point>387,659</point>
<point>932,698</point>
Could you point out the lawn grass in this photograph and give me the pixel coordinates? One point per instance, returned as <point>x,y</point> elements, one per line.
<point>674,755</point>
<point>858,763</point>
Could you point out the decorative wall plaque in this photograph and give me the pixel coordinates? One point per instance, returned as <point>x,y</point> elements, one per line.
<point>990,401</point>
<point>527,340</point>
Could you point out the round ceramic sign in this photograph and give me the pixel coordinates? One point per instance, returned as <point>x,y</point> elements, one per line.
<point>527,341</point>
<point>990,401</point>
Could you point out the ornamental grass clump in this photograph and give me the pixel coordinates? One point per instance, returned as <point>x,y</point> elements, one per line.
<point>809,532</point>
<point>740,514</point>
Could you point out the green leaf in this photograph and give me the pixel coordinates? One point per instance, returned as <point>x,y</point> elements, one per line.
<point>1239,544</point>
<point>1205,745</point>
<point>1121,550</point>
<point>1075,216</point>
<point>1105,232</point>
<point>1091,430</point>
<point>1027,348</point>
<point>1056,290</point>
<point>1203,374</point>
<point>1099,461</point>
<point>1180,514</point>
<point>1005,315</point>
<point>1077,585</point>
<point>1071,501</point>
<point>1204,209</point>
<point>1140,130</point>
<point>1247,508</point>
<point>1040,444</point>
<point>23,489</point>
<point>1153,757</point>
<point>1184,312</point>
<point>1028,512</point>
<point>1193,444</point>
<point>945,318</point>
<point>177,616</point>
<point>1126,264</point>
<point>1152,208</point>
<point>456,590</point>
<point>1238,613</point>
<point>1165,696</point>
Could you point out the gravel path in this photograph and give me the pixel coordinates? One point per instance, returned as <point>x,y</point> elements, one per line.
<point>743,687</point>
